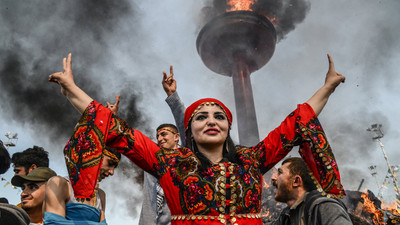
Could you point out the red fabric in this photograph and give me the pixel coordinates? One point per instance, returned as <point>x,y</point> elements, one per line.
<point>190,110</point>
<point>326,173</point>
<point>190,190</point>
<point>238,221</point>
<point>84,150</point>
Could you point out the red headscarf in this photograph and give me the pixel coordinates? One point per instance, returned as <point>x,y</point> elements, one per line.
<point>193,108</point>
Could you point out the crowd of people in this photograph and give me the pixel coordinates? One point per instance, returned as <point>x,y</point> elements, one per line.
<point>207,179</point>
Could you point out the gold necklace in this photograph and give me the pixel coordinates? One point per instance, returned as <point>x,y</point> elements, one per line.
<point>96,190</point>
<point>87,201</point>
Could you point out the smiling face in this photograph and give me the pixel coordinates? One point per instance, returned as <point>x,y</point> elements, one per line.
<point>107,168</point>
<point>32,196</point>
<point>167,137</point>
<point>210,126</point>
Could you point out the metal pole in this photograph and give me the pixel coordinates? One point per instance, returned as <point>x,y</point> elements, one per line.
<point>245,110</point>
<point>361,183</point>
<point>392,173</point>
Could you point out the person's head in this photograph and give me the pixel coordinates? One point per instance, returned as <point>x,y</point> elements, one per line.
<point>11,214</point>
<point>207,123</point>
<point>111,159</point>
<point>292,180</point>
<point>5,159</point>
<point>24,162</point>
<point>33,186</point>
<point>167,136</point>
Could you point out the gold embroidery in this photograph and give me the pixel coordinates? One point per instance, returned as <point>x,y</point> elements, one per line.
<point>221,217</point>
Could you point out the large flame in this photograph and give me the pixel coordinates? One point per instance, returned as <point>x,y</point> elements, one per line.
<point>265,213</point>
<point>266,185</point>
<point>392,208</point>
<point>370,208</point>
<point>239,5</point>
<point>246,5</point>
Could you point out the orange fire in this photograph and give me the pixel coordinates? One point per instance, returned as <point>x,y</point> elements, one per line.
<point>236,5</point>
<point>265,214</point>
<point>266,185</point>
<point>370,208</point>
<point>240,5</point>
<point>273,20</point>
<point>392,208</point>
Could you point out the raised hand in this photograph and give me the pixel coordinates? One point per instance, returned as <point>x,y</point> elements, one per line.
<point>65,79</point>
<point>114,108</point>
<point>78,98</point>
<point>168,82</point>
<point>333,78</point>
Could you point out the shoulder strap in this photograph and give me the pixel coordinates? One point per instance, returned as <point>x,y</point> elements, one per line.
<point>308,203</point>
<point>314,200</point>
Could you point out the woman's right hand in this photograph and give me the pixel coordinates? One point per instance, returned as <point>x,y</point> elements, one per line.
<point>78,98</point>
<point>65,79</point>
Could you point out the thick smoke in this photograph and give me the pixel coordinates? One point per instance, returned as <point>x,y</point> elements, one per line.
<point>36,36</point>
<point>362,37</point>
<point>132,178</point>
<point>285,15</point>
<point>353,137</point>
<point>36,42</point>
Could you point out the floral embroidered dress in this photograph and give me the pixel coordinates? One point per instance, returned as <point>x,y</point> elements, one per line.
<point>225,193</point>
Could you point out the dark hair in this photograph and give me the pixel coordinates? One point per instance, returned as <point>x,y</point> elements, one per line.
<point>11,214</point>
<point>5,160</point>
<point>36,155</point>
<point>298,167</point>
<point>167,125</point>
<point>229,149</point>
<point>116,153</point>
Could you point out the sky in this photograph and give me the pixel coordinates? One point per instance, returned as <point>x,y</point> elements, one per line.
<point>122,47</point>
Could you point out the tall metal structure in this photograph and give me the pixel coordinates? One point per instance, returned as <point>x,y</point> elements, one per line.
<point>236,44</point>
<point>377,134</point>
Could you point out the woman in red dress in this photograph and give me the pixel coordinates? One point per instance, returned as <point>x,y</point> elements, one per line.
<point>210,181</point>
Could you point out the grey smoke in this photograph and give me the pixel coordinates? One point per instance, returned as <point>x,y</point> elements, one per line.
<point>36,35</point>
<point>285,15</point>
<point>36,40</point>
<point>361,35</point>
<point>128,191</point>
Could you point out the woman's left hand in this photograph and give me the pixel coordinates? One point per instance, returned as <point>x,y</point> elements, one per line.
<point>333,78</point>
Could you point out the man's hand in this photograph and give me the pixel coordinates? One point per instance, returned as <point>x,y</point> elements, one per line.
<point>168,82</point>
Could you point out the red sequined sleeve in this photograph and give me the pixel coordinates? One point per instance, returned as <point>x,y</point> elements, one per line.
<point>282,139</point>
<point>98,128</point>
<point>302,127</point>
<point>133,144</point>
